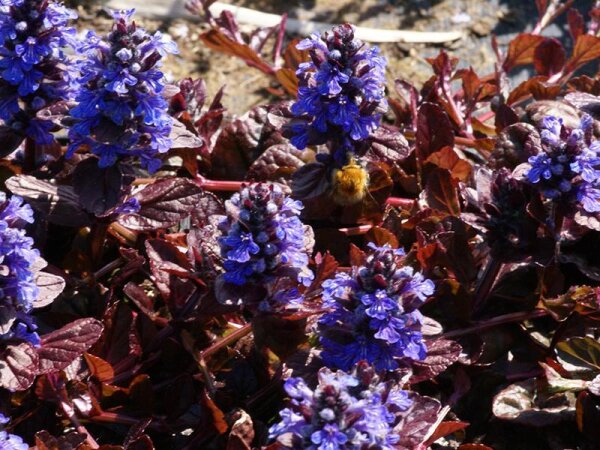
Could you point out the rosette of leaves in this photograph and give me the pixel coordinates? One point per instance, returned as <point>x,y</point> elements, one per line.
<point>512,230</point>
<point>35,72</point>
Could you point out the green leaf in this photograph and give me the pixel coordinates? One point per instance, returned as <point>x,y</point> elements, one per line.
<point>581,352</point>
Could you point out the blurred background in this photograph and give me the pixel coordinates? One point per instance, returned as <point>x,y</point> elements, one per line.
<point>247,87</point>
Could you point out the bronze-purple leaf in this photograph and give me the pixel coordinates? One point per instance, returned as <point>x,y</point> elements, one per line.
<point>181,137</point>
<point>163,204</point>
<point>441,354</point>
<point>549,57</point>
<point>50,286</point>
<point>60,348</point>
<point>434,130</point>
<point>18,366</point>
<point>56,203</point>
<point>416,422</point>
<point>441,192</point>
<point>98,188</point>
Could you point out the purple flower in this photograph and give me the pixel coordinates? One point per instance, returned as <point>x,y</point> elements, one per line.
<point>341,93</point>
<point>329,437</point>
<point>372,313</point>
<point>567,171</point>
<point>35,71</point>
<point>264,239</point>
<point>130,206</point>
<point>12,442</point>
<point>18,258</point>
<point>121,112</point>
<point>344,411</point>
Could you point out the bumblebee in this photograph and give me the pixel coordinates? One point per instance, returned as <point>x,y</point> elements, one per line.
<point>350,184</point>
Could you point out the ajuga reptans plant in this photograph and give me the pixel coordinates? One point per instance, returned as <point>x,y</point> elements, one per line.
<point>567,170</point>
<point>340,95</point>
<point>263,238</point>
<point>121,111</point>
<point>373,313</point>
<point>341,99</point>
<point>346,411</point>
<point>35,71</point>
<point>17,259</point>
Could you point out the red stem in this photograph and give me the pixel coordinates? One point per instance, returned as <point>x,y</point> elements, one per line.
<point>218,185</point>
<point>400,202</point>
<point>232,337</point>
<point>356,231</point>
<point>279,40</point>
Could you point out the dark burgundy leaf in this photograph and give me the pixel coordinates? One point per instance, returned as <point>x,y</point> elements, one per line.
<point>278,163</point>
<point>416,423</point>
<point>18,366</point>
<point>208,207</point>
<point>587,48</point>
<point>57,204</point>
<point>521,50</point>
<point>538,87</point>
<point>505,116</point>
<point>241,142</point>
<point>586,102</point>
<point>71,441</point>
<point>61,347</point>
<point>140,298</point>
<point>163,204</point>
<point>549,57</point>
<point>441,192</point>
<point>310,180</point>
<point>388,145</point>
<point>441,354</point>
<point>434,130</point>
<point>9,140</point>
<point>182,138</point>
<point>515,145</point>
<point>170,271</point>
<point>117,345</point>
<point>576,24</point>
<point>99,189</point>
<point>50,286</point>
<point>447,158</point>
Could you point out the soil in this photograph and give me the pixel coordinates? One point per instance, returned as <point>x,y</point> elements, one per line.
<point>247,87</point>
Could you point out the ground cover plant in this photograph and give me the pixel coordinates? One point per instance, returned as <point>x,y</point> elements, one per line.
<point>347,267</point>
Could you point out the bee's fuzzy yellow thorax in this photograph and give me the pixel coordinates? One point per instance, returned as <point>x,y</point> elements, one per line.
<point>350,184</point>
